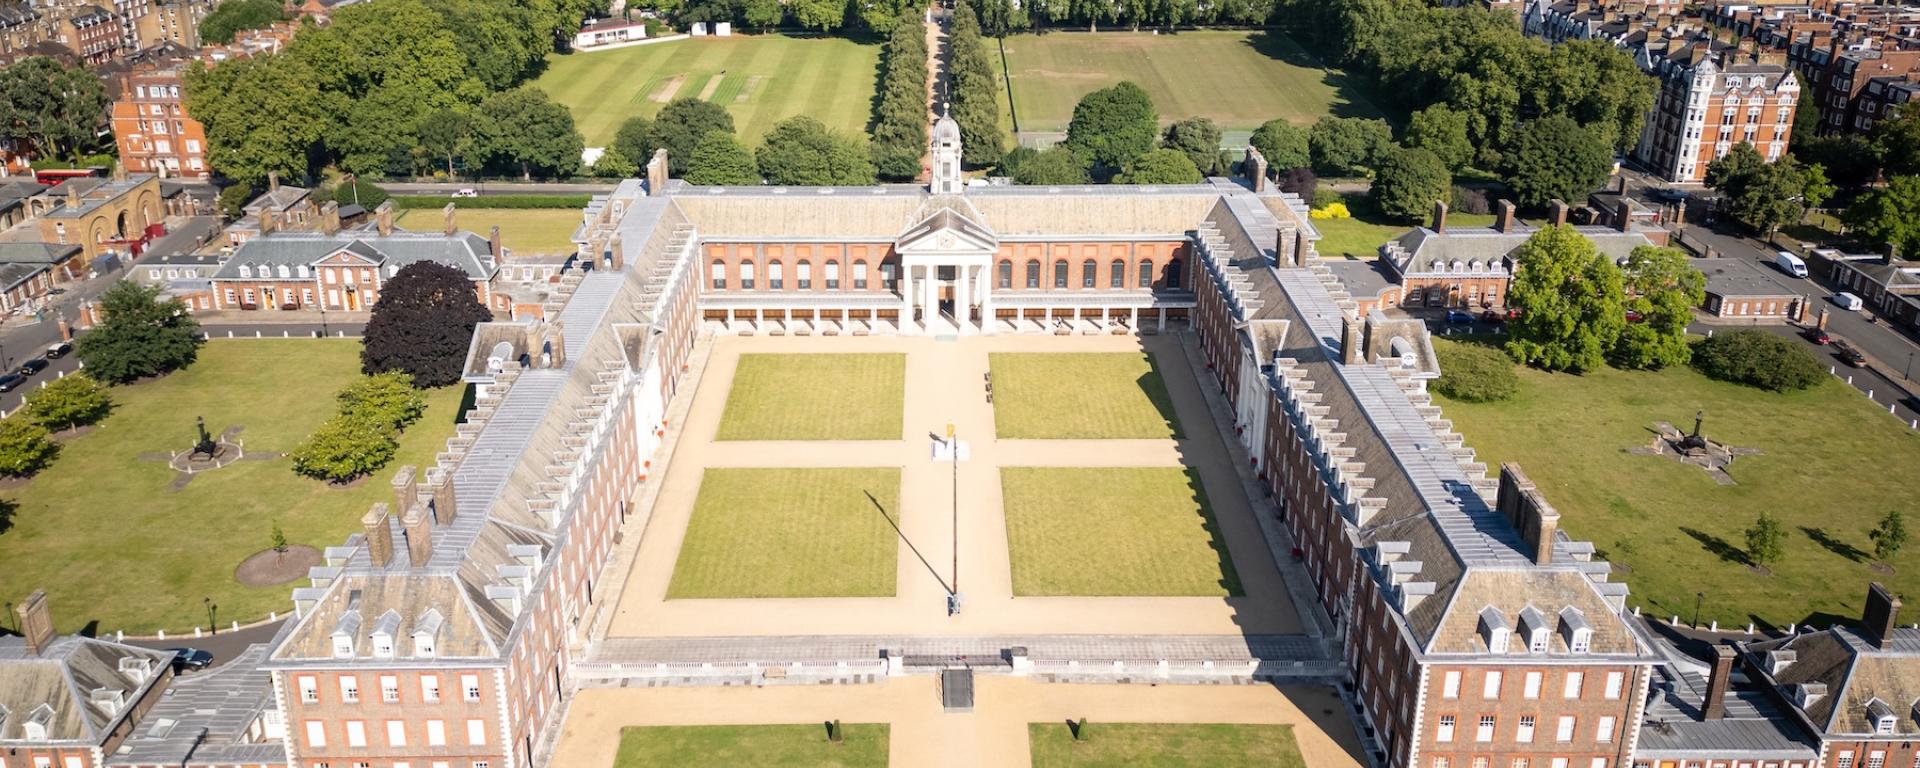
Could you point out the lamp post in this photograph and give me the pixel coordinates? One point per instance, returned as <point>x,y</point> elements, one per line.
<point>953,455</point>
<point>1698,598</point>
<point>211,608</point>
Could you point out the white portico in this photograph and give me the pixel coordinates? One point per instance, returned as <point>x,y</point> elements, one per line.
<point>946,264</point>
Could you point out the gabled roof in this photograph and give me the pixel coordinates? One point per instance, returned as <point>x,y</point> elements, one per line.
<point>63,679</point>
<point>946,226</point>
<point>465,251</point>
<point>1855,672</point>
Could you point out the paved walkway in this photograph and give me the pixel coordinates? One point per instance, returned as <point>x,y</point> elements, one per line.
<point>944,384</point>
<point>923,736</point>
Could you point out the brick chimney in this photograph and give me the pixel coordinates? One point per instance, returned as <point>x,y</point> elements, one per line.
<point>1353,341</point>
<point>379,536</point>
<point>1283,247</point>
<point>406,486</point>
<point>1718,680</point>
<point>330,217</point>
<point>1557,212</point>
<point>419,528</point>
<point>1255,167</point>
<point>1881,616</point>
<point>1503,216</point>
<point>1524,506</point>
<point>440,484</point>
<point>494,245</point>
<point>36,621</point>
<point>383,218</point>
<point>273,181</point>
<point>657,173</point>
<point>447,225</point>
<point>1439,216</point>
<point>1300,247</point>
<point>1623,215</point>
<point>1890,254</point>
<point>269,222</point>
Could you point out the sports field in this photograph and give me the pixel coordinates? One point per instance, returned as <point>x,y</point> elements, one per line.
<point>1240,79</point>
<point>1113,531</point>
<point>791,533</point>
<point>761,79</point>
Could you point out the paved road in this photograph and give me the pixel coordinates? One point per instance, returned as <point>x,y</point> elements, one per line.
<point>224,646</point>
<point>500,188</point>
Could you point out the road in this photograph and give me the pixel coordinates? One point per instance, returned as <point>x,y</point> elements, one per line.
<point>499,188</point>
<point>224,646</point>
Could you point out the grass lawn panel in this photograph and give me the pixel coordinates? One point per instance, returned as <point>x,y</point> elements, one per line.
<point>768,78</point>
<point>525,231</point>
<point>1361,236</point>
<point>864,746</point>
<point>1198,745</point>
<point>1126,531</point>
<point>1080,396</point>
<point>791,533</point>
<point>1831,465</point>
<point>816,397</point>
<point>117,550</point>
<point>1240,79</point>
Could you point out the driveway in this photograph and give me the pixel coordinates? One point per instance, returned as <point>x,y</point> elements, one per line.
<point>224,646</point>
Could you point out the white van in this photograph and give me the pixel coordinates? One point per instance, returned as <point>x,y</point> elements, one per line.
<point>468,192</point>
<point>1848,301</point>
<point>1790,264</point>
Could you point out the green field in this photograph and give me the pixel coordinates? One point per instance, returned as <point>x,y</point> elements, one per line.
<point>117,550</point>
<point>1090,395</point>
<point>1125,745</point>
<point>525,231</point>
<point>816,397</point>
<point>1831,465</point>
<point>791,533</point>
<point>1240,79</point>
<point>761,79</point>
<point>1127,531</point>
<point>715,746</point>
<point>1361,236</point>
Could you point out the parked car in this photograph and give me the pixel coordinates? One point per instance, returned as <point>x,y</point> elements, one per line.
<point>1670,195</point>
<point>1493,317</point>
<point>33,366</point>
<point>468,192</point>
<point>59,349</point>
<point>1848,354</point>
<point>1459,317</point>
<point>1817,336</point>
<point>1848,301</point>
<point>11,381</point>
<point>191,658</point>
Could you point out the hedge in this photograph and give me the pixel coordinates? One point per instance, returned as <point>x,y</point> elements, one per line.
<point>1473,373</point>
<point>413,202</point>
<point>1757,359</point>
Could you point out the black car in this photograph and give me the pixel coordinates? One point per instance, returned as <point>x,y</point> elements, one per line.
<point>1848,354</point>
<point>33,366</point>
<point>58,350</point>
<point>191,658</point>
<point>11,381</point>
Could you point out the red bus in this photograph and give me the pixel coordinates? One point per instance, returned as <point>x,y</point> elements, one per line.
<point>53,177</point>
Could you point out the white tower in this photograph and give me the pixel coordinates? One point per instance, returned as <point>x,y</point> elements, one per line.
<point>947,179</point>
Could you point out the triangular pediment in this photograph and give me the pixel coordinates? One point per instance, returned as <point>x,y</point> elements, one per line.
<point>356,253</point>
<point>946,231</point>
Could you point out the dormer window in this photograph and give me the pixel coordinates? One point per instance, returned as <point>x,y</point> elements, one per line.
<point>35,727</point>
<point>246,271</point>
<point>283,271</point>
<point>1881,716</point>
<point>383,646</point>
<point>1533,628</point>
<point>136,667</point>
<point>108,699</point>
<point>423,644</point>
<point>1494,630</point>
<point>1575,630</point>
<point>426,634</point>
<point>342,647</point>
<point>303,270</point>
<point>1780,659</point>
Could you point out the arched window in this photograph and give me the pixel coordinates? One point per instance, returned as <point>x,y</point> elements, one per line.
<point>1060,274</point>
<point>1146,273</point>
<point>1006,274</point>
<point>860,275</point>
<point>833,274</point>
<point>746,275</point>
<point>803,274</point>
<point>774,278</point>
<point>1088,270</point>
<point>1033,274</point>
<point>719,275</point>
<point>1117,274</point>
<point>1173,275</point>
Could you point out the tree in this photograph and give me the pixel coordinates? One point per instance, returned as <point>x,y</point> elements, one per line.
<point>976,90</point>
<point>422,324</point>
<point>1442,131</point>
<point>1347,145</point>
<point>1113,125</point>
<point>635,141</point>
<point>1757,359</point>
<point>140,335</point>
<point>720,161</point>
<point>822,15</point>
<point>1890,214</point>
<point>263,113</point>
<point>1554,158</point>
<point>24,447</point>
<point>682,123</point>
<point>1054,166</point>
<point>344,448</point>
<point>277,539</point>
<point>1767,195</point>
<point>900,116</point>
<point>228,18</point>
<point>68,402</point>
<point>384,398</point>
<point>1409,182</point>
<point>361,193</point>
<point>1898,139</point>
<point>233,200</point>
<point>800,151</point>
<point>1300,181</point>
<point>1889,536</point>
<point>1160,166</point>
<point>49,109</point>
<point>1766,540</point>
<point>1851,161</point>
<point>613,165</point>
<point>1283,144</point>
<point>1571,301</point>
<point>1199,138</point>
<point>446,134</point>
<point>525,129</point>
<point>1663,288</point>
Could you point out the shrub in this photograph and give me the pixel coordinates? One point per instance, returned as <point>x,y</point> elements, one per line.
<point>384,398</point>
<point>1322,198</point>
<point>1470,200</point>
<point>68,402</point>
<point>344,448</point>
<point>1302,182</point>
<point>24,447</point>
<point>1331,211</point>
<point>1474,373</point>
<point>406,202</point>
<point>364,194</point>
<point>1757,359</point>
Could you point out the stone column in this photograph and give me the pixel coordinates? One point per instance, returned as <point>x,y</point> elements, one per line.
<point>962,294</point>
<point>930,294</point>
<point>987,319</point>
<point>906,296</point>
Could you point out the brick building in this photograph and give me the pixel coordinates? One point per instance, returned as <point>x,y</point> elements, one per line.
<point>1435,266</point>
<point>1703,109</point>
<point>1854,688</point>
<point>151,125</point>
<point>105,217</point>
<point>1889,285</point>
<point>343,270</point>
<point>1741,289</point>
<point>71,701</point>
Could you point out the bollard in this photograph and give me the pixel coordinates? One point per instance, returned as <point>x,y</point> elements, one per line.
<point>1849,379</point>
<point>120,636</point>
<point>273,615</point>
<point>1714,627</point>
<point>229,333</point>
<point>60,375</point>
<point>1749,627</point>
<point>163,634</point>
<point>196,631</point>
<point>285,335</point>
<point>1675,620</point>
<point>236,626</point>
<point>1869,394</point>
<point>257,334</point>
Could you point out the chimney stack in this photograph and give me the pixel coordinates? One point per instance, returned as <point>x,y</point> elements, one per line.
<point>1718,680</point>
<point>1557,212</point>
<point>1503,215</point>
<point>406,485</point>
<point>269,221</point>
<point>379,536</point>
<point>1439,217</point>
<point>441,483</point>
<point>1300,247</point>
<point>1255,167</point>
<point>419,528</point>
<point>36,622</point>
<point>383,218</point>
<point>1529,513</point>
<point>447,225</point>
<point>657,173</point>
<point>330,218</point>
<point>273,181</point>
<point>1283,247</point>
<point>73,194</point>
<point>1623,214</point>
<point>493,244</point>
<point>1353,341</point>
<point>1881,616</point>
<point>1890,254</point>
<point>1620,185</point>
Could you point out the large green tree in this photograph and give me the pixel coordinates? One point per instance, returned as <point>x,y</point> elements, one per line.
<point>1283,144</point>
<point>1113,125</point>
<point>1890,214</point>
<point>526,130</point>
<point>1763,195</point>
<point>1443,131</point>
<point>719,160</point>
<point>682,123</point>
<point>422,324</point>
<point>1662,290</point>
<point>1160,166</point>
<point>140,334</point>
<point>801,151</point>
<point>24,447</point>
<point>1571,300</point>
<point>70,401</point>
<point>636,142</point>
<point>900,116</point>
<point>228,18</point>
<point>446,134</point>
<point>262,114</point>
<point>1348,145</point>
<point>49,109</point>
<point>976,89</point>
<point>1554,158</point>
<point>1409,182</point>
<point>1898,140</point>
<point>1054,166</point>
<point>1199,139</point>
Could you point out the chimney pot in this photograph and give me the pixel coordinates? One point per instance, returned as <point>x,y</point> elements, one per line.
<point>1439,216</point>
<point>1718,680</point>
<point>36,621</point>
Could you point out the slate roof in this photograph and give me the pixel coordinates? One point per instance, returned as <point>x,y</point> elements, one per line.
<point>1730,277</point>
<point>203,719</point>
<point>1423,251</point>
<point>1752,726</point>
<point>13,275</point>
<point>280,199</point>
<point>1854,673</point>
<point>64,678</point>
<point>36,253</point>
<point>467,251</point>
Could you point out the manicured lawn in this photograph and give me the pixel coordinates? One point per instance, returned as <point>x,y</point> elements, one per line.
<point>1361,236</point>
<point>118,550</point>
<point>791,533</point>
<point>761,79</point>
<point>732,745</point>
<point>1080,395</point>
<point>1203,745</point>
<point>1131,531</point>
<point>1831,465</point>
<point>816,397</point>
<point>525,231</point>
<point>1240,79</point>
